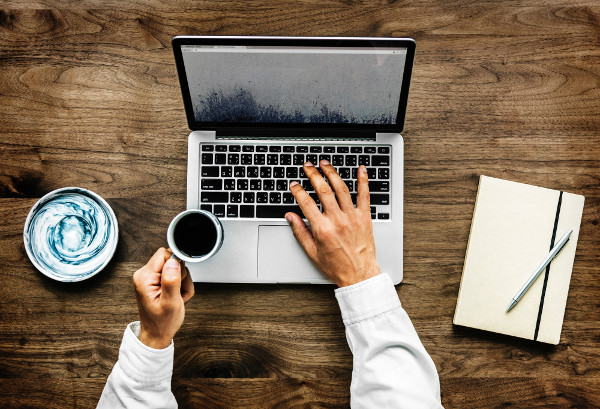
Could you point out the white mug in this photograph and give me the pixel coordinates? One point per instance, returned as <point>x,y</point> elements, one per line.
<point>195,235</point>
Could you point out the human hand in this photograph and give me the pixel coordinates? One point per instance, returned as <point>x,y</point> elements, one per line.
<point>161,290</point>
<point>341,243</point>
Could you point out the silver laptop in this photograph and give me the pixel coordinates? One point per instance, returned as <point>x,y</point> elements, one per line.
<point>258,108</point>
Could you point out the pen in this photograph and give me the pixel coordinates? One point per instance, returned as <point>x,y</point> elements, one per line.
<point>553,253</point>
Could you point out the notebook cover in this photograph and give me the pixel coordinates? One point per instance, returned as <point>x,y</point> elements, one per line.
<point>511,233</point>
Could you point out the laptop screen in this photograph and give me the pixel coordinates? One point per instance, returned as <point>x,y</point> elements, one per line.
<point>270,84</point>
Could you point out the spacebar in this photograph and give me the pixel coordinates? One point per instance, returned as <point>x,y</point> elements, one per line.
<point>273,211</point>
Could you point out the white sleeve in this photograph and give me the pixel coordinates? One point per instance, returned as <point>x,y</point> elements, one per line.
<point>141,378</point>
<point>391,368</point>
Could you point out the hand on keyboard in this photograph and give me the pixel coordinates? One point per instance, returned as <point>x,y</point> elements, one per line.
<point>341,243</point>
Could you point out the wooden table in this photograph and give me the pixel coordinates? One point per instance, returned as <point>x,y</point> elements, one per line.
<point>89,97</point>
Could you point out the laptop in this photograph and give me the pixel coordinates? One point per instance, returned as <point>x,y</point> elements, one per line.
<point>258,109</point>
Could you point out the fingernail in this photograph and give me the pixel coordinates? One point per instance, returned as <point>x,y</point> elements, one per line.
<point>325,162</point>
<point>363,168</point>
<point>308,164</point>
<point>294,183</point>
<point>172,263</point>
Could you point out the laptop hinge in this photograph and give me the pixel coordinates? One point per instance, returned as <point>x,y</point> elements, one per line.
<point>296,134</point>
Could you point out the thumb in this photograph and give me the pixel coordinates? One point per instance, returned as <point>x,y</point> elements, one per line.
<point>170,280</point>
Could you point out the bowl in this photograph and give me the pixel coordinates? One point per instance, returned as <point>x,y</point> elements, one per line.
<point>70,234</point>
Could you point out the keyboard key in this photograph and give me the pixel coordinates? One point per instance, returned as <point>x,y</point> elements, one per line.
<point>214,197</point>
<point>329,149</point>
<point>344,173</point>
<point>262,148</point>
<point>207,158</point>
<point>252,172</point>
<point>354,170</point>
<point>279,172</point>
<point>206,207</point>
<point>255,184</point>
<point>233,158</point>
<point>239,172</point>
<point>343,149</point>
<point>248,148</point>
<point>282,185</point>
<point>312,159</point>
<point>315,197</point>
<point>383,173</point>
<point>370,149</point>
<point>372,173</point>
<point>268,184</point>
<point>246,159</point>
<point>220,158</point>
<point>226,171</point>
<point>285,159</point>
<point>299,160</point>
<point>235,148</point>
<point>221,148</point>
<point>259,159</point>
<point>379,160</point>
<point>210,171</point>
<point>262,197</point>
<point>302,149</point>
<point>325,157</point>
<point>275,148</point>
<point>316,149</point>
<point>219,210</point>
<point>242,184</point>
<point>288,198</point>
<point>383,216</point>
<point>270,211</point>
<point>379,186</point>
<point>356,149</point>
<point>248,197</point>
<point>301,173</point>
<point>288,148</point>
<point>208,148</point>
<point>229,184</point>
<point>232,211</point>
<point>373,216</point>
<point>364,160</point>
<point>350,184</point>
<point>211,184</point>
<point>291,173</point>
<point>265,172</point>
<point>380,199</point>
<point>274,197</point>
<point>350,160</point>
<point>235,197</point>
<point>272,159</point>
<point>383,149</point>
<point>246,211</point>
<point>307,186</point>
<point>337,160</point>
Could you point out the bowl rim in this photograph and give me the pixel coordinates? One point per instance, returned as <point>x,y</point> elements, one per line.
<point>47,198</point>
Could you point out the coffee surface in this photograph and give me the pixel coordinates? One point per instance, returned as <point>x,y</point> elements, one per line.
<point>195,235</point>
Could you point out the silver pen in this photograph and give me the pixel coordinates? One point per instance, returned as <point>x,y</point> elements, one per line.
<point>553,253</point>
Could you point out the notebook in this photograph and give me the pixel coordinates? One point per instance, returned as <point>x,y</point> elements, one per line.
<point>513,229</point>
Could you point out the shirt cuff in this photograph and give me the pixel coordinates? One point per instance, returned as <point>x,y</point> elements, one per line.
<point>141,362</point>
<point>367,299</point>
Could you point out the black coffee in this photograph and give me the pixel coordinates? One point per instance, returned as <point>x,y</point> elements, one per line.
<point>195,235</point>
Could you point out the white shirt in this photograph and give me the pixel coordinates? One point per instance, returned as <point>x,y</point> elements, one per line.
<point>391,367</point>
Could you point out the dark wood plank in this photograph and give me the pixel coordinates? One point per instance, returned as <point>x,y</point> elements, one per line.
<point>89,97</point>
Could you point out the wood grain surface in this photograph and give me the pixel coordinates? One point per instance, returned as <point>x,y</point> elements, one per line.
<point>89,97</point>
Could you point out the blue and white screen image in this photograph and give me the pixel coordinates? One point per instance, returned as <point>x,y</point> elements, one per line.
<point>294,85</point>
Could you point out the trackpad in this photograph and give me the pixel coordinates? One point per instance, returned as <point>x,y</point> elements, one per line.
<point>281,258</point>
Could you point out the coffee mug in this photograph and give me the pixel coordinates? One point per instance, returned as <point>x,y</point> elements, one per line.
<point>195,235</point>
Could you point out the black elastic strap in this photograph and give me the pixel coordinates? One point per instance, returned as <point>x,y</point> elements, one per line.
<point>539,317</point>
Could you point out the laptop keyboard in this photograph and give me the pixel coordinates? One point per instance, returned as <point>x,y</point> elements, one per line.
<point>252,181</point>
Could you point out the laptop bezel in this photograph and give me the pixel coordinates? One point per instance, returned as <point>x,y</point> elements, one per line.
<point>258,129</point>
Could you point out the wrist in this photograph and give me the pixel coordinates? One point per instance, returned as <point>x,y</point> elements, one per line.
<point>357,278</point>
<point>153,341</point>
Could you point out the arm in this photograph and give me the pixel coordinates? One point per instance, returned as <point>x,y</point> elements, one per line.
<point>141,378</point>
<point>391,367</point>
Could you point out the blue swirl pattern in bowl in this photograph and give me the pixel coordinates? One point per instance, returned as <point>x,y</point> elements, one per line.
<point>70,234</point>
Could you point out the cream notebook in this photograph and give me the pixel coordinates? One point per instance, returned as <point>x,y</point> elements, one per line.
<point>514,227</point>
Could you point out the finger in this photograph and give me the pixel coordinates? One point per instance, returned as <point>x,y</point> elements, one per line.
<point>341,189</point>
<point>306,203</point>
<point>170,280</point>
<point>363,201</point>
<point>302,234</point>
<point>321,187</point>
<point>187,286</point>
<point>158,260</point>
